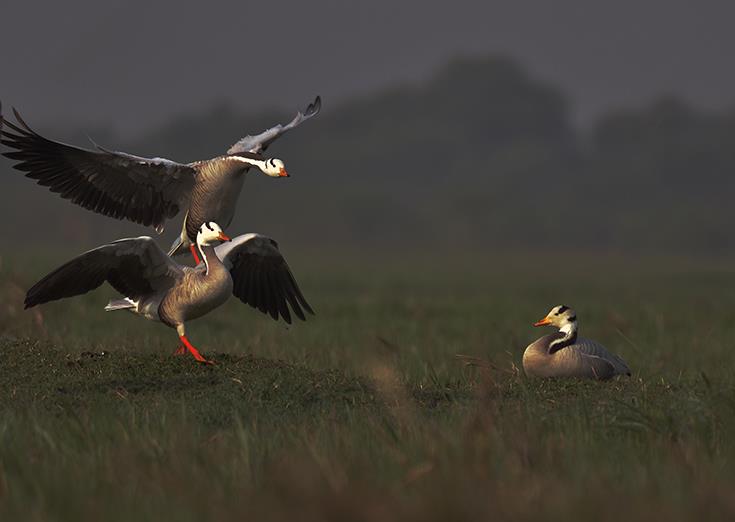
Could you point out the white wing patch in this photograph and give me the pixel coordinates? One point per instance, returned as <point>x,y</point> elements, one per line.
<point>223,250</point>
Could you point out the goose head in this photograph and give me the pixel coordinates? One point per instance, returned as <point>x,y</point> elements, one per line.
<point>561,316</point>
<point>210,232</point>
<point>272,167</point>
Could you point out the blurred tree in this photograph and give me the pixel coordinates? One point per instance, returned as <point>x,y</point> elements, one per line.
<point>479,155</point>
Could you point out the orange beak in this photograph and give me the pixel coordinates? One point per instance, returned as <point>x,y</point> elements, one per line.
<point>542,322</point>
<point>223,237</point>
<point>283,173</point>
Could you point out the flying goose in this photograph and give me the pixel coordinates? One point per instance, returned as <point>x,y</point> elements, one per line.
<point>564,354</point>
<point>158,288</point>
<point>142,190</point>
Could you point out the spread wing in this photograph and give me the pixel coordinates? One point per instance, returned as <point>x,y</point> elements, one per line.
<point>261,277</point>
<point>260,142</point>
<point>135,267</point>
<point>115,184</point>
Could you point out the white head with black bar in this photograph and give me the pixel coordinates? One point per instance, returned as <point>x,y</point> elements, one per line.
<point>565,319</point>
<point>209,234</point>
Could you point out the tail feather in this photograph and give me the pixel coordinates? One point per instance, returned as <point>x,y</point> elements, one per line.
<point>177,248</point>
<point>120,304</point>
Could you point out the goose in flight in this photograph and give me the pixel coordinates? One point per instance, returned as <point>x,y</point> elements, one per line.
<point>142,190</point>
<point>158,288</point>
<point>564,354</point>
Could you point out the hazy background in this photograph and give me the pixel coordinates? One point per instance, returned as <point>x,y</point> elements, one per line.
<point>524,126</point>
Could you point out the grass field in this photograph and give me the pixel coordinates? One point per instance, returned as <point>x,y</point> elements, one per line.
<point>364,412</point>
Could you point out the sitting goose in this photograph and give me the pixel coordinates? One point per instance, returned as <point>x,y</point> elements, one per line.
<point>158,288</point>
<point>142,190</point>
<point>563,354</point>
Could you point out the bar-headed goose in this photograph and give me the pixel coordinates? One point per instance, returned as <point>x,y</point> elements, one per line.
<point>564,354</point>
<point>158,288</point>
<point>142,190</point>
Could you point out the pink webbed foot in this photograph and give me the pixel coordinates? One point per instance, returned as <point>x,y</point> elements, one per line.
<point>194,352</point>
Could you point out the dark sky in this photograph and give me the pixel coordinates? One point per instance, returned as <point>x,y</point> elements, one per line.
<point>131,64</point>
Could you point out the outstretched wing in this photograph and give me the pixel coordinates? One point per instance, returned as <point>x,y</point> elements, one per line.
<point>260,142</point>
<point>115,184</point>
<point>134,267</point>
<point>261,276</point>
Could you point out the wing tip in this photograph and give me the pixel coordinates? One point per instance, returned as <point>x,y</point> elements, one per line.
<point>30,300</point>
<point>20,120</point>
<point>308,308</point>
<point>314,107</point>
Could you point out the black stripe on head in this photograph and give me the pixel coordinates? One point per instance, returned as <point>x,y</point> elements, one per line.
<point>562,309</point>
<point>209,225</point>
<point>572,319</point>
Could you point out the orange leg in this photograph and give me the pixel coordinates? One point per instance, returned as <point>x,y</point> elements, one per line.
<point>194,253</point>
<point>181,350</point>
<point>194,351</point>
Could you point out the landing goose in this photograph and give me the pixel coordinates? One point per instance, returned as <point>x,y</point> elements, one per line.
<point>158,288</point>
<point>564,354</point>
<point>142,190</point>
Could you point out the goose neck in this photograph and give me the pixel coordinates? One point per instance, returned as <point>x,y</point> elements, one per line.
<point>208,255</point>
<point>253,162</point>
<point>569,336</point>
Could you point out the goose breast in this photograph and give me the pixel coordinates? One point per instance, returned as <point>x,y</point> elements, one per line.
<point>214,198</point>
<point>197,295</point>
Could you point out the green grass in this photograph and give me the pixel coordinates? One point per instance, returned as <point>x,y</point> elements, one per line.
<point>364,412</point>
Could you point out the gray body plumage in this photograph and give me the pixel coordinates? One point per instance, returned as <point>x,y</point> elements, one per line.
<point>583,358</point>
<point>198,292</point>
<point>213,198</point>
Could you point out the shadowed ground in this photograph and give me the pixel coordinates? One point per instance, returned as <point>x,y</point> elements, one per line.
<point>366,413</point>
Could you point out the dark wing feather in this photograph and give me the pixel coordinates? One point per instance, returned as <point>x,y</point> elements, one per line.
<point>594,349</point>
<point>115,184</point>
<point>260,142</point>
<point>134,267</point>
<point>286,283</point>
<point>601,369</point>
<point>261,277</point>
